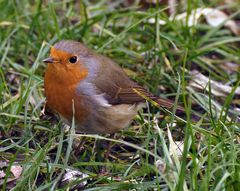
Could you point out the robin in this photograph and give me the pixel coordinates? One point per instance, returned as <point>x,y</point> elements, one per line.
<point>93,88</point>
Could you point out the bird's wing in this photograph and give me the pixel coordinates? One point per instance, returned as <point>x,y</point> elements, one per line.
<point>113,82</point>
<point>138,94</point>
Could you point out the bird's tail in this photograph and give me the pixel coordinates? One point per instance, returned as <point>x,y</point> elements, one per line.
<point>158,101</point>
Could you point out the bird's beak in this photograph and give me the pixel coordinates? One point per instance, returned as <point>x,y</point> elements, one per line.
<point>49,60</point>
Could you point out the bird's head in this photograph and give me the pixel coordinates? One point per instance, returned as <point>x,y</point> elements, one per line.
<point>65,62</point>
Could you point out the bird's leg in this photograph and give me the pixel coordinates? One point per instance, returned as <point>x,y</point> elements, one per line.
<point>78,146</point>
<point>103,169</point>
<point>112,136</point>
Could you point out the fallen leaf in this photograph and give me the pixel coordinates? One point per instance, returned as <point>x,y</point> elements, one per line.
<point>74,175</point>
<point>217,88</point>
<point>16,171</point>
<point>192,18</point>
<point>161,165</point>
<point>214,17</point>
<point>230,67</point>
<point>2,174</point>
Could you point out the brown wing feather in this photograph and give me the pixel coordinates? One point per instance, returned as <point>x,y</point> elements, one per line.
<point>119,89</point>
<point>139,94</point>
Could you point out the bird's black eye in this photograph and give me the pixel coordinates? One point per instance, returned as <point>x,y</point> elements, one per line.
<point>73,59</point>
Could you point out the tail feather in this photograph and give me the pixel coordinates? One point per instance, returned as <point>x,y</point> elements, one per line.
<point>157,101</point>
<point>168,104</point>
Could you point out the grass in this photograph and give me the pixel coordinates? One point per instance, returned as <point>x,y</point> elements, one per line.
<point>159,57</point>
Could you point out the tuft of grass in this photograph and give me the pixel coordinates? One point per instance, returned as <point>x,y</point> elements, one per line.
<point>158,151</point>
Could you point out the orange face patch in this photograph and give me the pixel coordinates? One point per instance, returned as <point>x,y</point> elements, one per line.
<point>59,55</point>
<point>61,81</point>
<point>64,71</point>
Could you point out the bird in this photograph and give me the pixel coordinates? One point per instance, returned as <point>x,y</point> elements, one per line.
<point>93,89</point>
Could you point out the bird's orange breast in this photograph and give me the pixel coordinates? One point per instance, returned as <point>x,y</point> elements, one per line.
<point>60,83</point>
